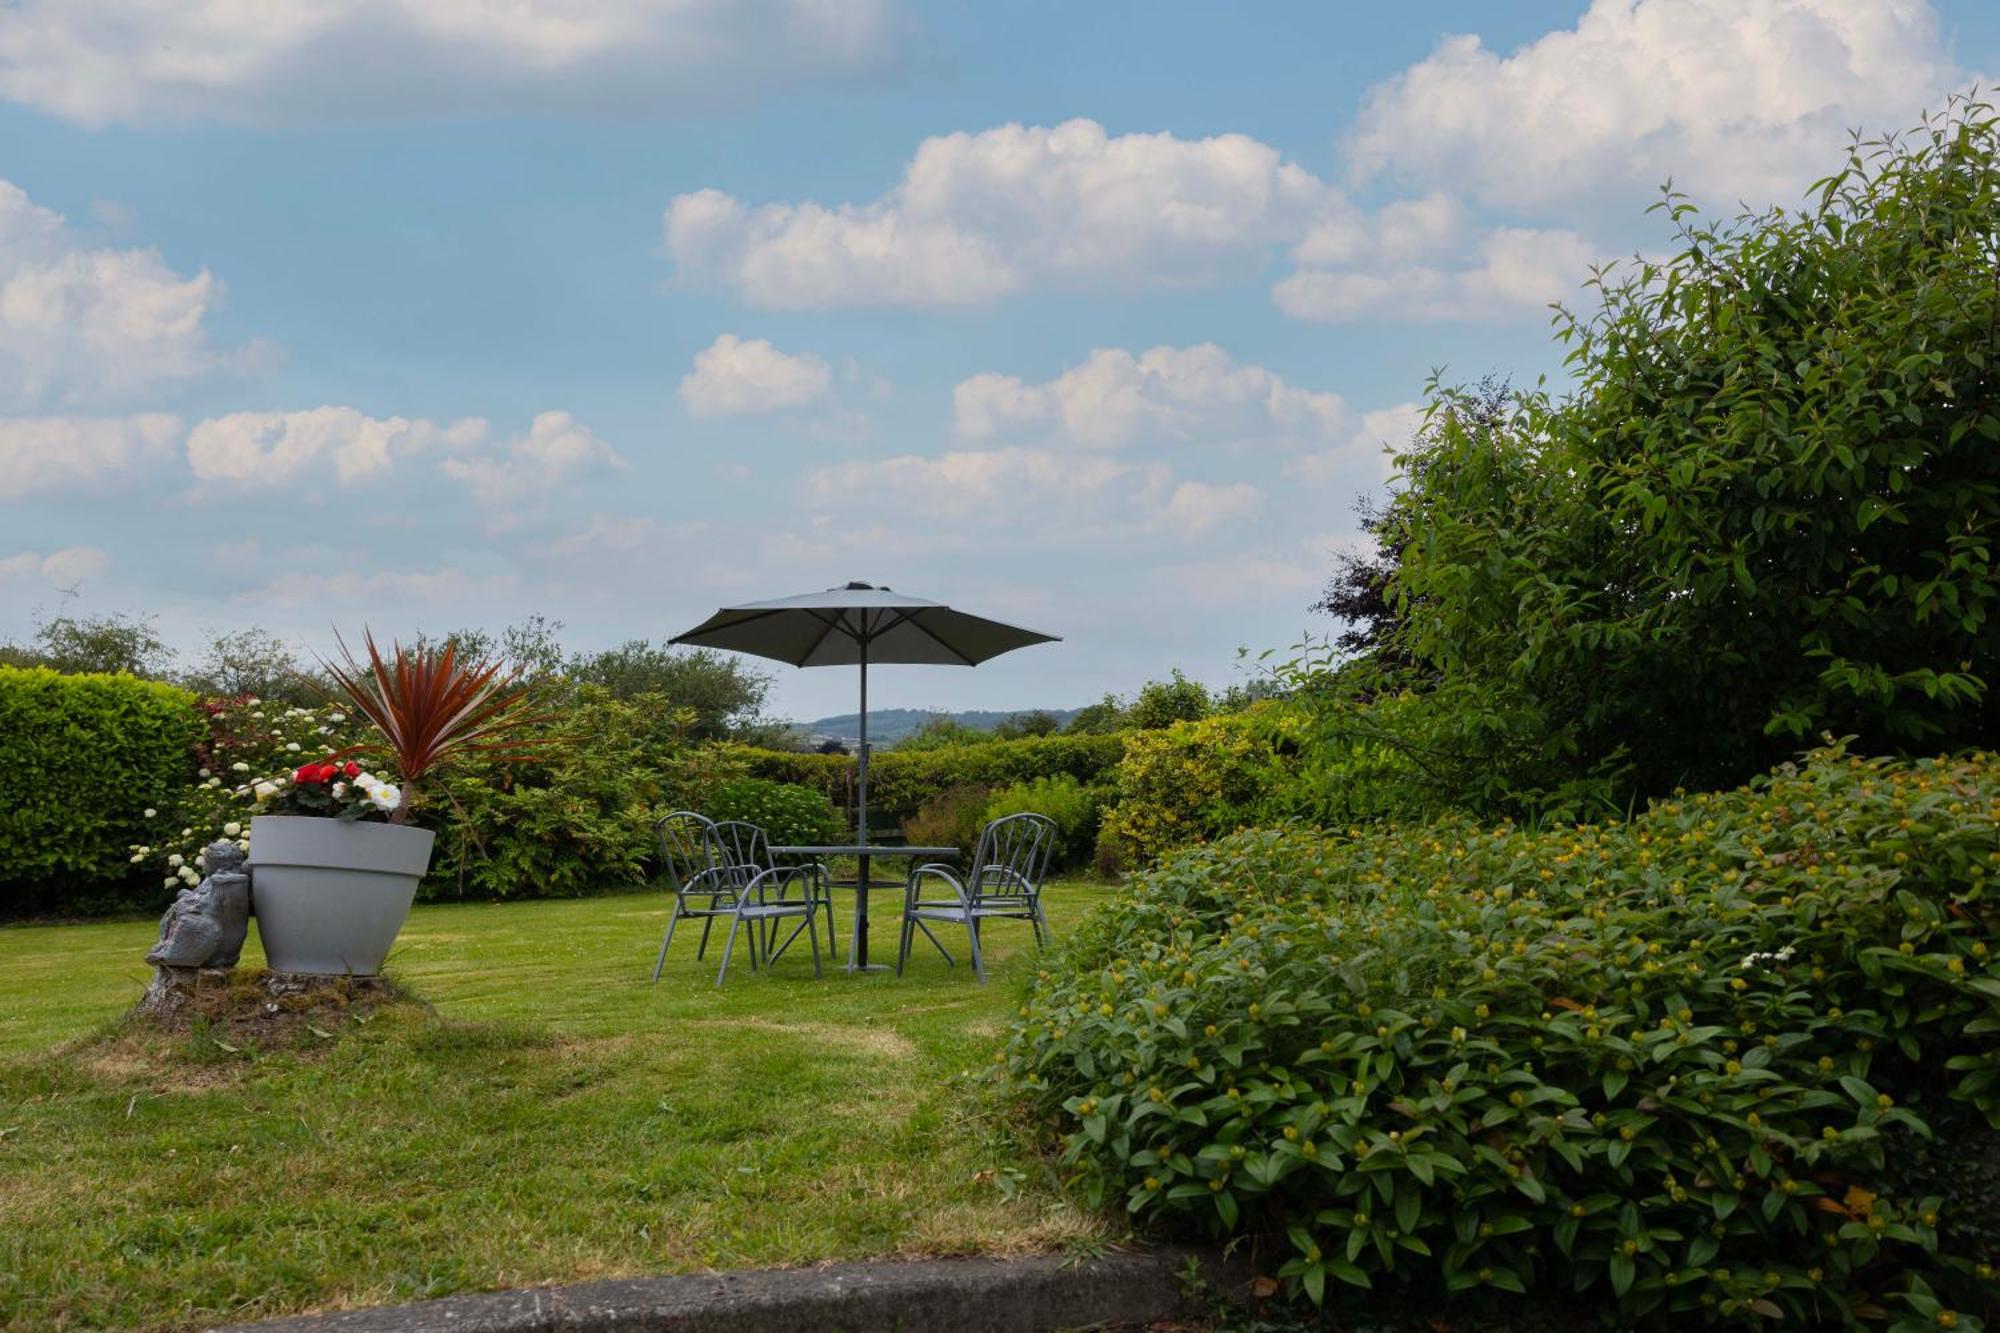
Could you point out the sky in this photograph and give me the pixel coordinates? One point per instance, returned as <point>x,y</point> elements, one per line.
<point>422,314</point>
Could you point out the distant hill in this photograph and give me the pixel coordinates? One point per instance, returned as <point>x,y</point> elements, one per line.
<point>888,725</point>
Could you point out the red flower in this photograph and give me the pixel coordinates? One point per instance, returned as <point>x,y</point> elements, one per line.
<point>328,771</point>
<point>353,770</point>
<point>308,775</point>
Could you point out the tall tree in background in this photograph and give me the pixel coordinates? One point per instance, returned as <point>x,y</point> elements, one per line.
<point>1766,510</point>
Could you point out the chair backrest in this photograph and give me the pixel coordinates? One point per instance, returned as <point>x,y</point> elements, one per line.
<point>1012,856</point>
<point>744,845</point>
<point>689,846</point>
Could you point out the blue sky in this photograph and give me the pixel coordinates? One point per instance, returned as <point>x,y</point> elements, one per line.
<point>1092,317</point>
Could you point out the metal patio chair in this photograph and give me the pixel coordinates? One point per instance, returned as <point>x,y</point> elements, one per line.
<point>1003,882</point>
<point>747,845</point>
<point>718,871</point>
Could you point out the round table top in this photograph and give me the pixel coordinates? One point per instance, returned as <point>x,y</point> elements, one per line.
<point>868,849</point>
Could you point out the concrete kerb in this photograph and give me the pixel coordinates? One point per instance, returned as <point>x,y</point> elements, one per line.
<point>1025,1295</point>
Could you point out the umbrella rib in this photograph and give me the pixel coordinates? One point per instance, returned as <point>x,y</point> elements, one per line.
<point>912,619</point>
<point>832,623</point>
<point>733,624</point>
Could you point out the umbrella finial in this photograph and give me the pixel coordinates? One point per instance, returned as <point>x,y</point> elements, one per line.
<point>861,587</point>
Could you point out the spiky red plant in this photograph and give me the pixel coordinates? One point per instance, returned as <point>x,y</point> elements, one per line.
<point>431,705</point>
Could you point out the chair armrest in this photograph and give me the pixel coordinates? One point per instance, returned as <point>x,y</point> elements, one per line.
<point>784,877</point>
<point>719,882</point>
<point>934,871</point>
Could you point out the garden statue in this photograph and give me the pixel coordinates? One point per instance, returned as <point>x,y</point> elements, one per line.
<point>206,924</point>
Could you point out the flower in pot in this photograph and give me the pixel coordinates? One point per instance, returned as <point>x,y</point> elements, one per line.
<point>335,868</point>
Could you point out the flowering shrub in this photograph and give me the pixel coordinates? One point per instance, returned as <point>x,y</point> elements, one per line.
<point>1188,783</point>
<point>1666,1063</point>
<point>1075,808</point>
<point>252,762</point>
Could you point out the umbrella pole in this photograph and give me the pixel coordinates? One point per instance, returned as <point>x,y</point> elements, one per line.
<point>858,953</point>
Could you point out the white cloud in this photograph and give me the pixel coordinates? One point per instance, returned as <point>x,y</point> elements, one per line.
<point>104,61</point>
<point>80,323</point>
<point>999,485</point>
<point>267,449</point>
<point>63,568</point>
<point>1197,508</point>
<point>1514,269</point>
<point>1230,582</point>
<point>1735,99</point>
<point>556,448</point>
<point>1362,460</point>
<point>736,377</point>
<point>39,455</point>
<point>1114,397</point>
<point>978,216</point>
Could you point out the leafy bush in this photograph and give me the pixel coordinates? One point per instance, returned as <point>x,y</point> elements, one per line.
<point>952,818</point>
<point>575,814</point>
<point>787,812</point>
<point>82,761</point>
<point>900,781</point>
<point>1659,1062</point>
<point>1188,783</point>
<point>1075,808</point>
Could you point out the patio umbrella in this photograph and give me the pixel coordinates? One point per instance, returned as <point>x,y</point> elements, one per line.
<point>857,625</point>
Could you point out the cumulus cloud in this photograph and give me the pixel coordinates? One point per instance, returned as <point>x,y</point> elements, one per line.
<point>43,455</point>
<point>262,450</point>
<point>268,449</point>
<point>104,61</point>
<point>988,485</point>
<point>556,448</point>
<point>979,216</point>
<point>737,377</point>
<point>1115,397</point>
<point>1198,508</point>
<point>79,322</point>
<point>63,568</point>
<point>1513,269</point>
<point>1735,99</point>
<point>1364,458</point>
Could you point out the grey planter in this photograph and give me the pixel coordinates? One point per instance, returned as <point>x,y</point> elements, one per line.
<point>329,895</point>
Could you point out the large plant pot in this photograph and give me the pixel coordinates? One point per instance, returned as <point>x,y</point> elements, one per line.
<point>329,895</point>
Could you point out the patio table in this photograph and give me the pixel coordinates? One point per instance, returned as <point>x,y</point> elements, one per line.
<point>864,853</point>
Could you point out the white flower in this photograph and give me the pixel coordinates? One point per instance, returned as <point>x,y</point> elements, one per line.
<point>232,829</point>
<point>336,717</point>
<point>266,790</point>
<point>292,746</point>
<point>386,795</point>
<point>257,714</point>
<point>243,844</point>
<point>339,790</point>
<point>175,859</point>
<point>188,876</point>
<point>151,813</point>
<point>137,857</point>
<point>187,833</point>
<point>253,701</point>
<point>239,767</point>
<point>202,774</point>
<point>172,880</point>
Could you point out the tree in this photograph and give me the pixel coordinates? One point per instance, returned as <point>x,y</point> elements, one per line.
<point>725,695</point>
<point>1101,718</point>
<point>1767,508</point>
<point>253,662</point>
<point>1035,722</point>
<point>1161,703</point>
<point>107,643</point>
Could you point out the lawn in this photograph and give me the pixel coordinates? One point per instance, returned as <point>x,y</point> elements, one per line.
<point>552,1117</point>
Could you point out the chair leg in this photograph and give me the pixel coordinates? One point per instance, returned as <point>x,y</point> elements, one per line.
<point>730,947</point>
<point>702,948</point>
<point>978,965</point>
<point>831,943</point>
<point>936,943</point>
<point>903,946</point>
<point>812,938</point>
<point>672,921</point>
<point>1041,924</point>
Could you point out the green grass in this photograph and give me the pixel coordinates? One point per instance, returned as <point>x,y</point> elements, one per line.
<point>553,1117</point>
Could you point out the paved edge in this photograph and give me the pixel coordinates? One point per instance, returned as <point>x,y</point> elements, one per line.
<point>1025,1295</point>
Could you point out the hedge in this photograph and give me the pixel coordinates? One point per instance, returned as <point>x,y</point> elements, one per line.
<point>1676,1064</point>
<point>899,782</point>
<point>82,758</point>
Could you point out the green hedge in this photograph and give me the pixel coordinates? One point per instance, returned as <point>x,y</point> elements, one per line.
<point>1674,1064</point>
<point>899,782</point>
<point>82,758</point>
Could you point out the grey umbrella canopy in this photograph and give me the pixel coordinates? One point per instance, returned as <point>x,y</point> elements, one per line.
<point>857,625</point>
